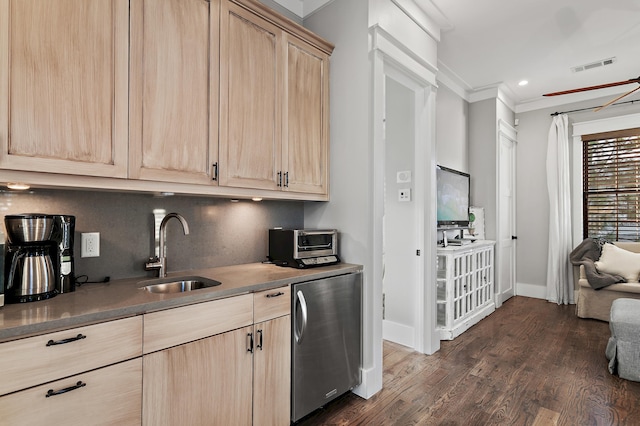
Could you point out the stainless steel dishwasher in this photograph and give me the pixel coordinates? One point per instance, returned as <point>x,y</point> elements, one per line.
<point>326,341</point>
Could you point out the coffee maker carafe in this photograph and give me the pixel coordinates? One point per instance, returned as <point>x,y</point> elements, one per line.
<point>31,258</point>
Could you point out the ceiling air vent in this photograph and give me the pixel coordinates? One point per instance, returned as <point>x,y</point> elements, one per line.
<point>593,65</point>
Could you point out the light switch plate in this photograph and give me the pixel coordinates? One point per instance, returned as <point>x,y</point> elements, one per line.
<point>404,194</point>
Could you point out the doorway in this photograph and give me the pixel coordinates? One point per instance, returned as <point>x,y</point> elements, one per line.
<point>399,277</point>
<point>404,231</point>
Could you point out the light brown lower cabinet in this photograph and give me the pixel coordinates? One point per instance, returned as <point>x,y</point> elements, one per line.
<point>106,396</point>
<point>206,382</point>
<point>202,364</point>
<point>237,377</point>
<point>272,372</point>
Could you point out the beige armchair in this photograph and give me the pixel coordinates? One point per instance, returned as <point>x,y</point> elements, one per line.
<point>597,303</point>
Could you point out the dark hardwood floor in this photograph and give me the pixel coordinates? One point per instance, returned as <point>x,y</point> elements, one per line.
<point>529,363</point>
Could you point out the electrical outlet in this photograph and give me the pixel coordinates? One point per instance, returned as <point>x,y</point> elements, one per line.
<point>90,244</point>
<point>404,194</point>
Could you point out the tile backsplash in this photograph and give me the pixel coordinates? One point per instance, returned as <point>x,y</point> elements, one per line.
<point>221,232</point>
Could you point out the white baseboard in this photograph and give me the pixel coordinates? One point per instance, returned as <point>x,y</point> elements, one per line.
<point>531,290</point>
<point>398,333</point>
<point>371,383</point>
<point>536,291</point>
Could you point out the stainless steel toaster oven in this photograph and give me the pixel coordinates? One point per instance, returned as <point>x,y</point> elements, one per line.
<point>303,248</point>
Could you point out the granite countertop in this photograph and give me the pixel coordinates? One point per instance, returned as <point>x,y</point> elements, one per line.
<point>92,303</point>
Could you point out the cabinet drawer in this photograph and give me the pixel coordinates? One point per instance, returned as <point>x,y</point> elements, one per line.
<point>110,396</point>
<point>272,303</point>
<point>35,360</point>
<point>176,326</point>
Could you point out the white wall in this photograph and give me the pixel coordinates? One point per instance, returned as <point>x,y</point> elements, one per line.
<point>483,133</point>
<point>356,164</point>
<point>344,23</point>
<point>532,202</point>
<point>452,130</point>
<point>482,160</point>
<point>282,10</point>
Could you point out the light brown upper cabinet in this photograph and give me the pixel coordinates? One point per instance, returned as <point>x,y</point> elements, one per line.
<point>306,118</point>
<point>63,86</point>
<point>251,78</point>
<point>273,102</point>
<point>174,90</point>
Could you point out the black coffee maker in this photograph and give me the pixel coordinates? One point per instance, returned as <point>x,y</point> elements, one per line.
<point>39,256</point>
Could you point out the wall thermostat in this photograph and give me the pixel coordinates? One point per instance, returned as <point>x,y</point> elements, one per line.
<point>403,177</point>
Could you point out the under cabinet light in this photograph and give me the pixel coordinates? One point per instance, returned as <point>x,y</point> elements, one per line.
<point>18,186</point>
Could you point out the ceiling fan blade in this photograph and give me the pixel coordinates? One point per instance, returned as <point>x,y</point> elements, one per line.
<point>615,100</point>
<point>600,86</point>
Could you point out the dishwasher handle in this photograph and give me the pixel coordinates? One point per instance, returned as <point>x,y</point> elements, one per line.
<point>299,331</point>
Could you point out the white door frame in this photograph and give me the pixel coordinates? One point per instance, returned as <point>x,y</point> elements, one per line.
<point>388,60</point>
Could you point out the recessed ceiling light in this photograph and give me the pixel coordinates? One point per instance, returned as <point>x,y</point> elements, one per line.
<point>523,83</point>
<point>257,198</point>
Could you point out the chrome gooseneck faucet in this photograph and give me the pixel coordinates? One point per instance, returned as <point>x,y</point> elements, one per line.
<point>160,262</point>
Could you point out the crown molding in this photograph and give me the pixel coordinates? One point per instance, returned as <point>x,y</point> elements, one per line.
<point>418,15</point>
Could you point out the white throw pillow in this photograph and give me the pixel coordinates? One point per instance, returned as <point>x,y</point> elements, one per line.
<point>617,261</point>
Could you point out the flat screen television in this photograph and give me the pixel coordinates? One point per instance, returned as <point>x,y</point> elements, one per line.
<point>452,197</point>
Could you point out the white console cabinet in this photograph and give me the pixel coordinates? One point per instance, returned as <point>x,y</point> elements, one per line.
<point>465,287</point>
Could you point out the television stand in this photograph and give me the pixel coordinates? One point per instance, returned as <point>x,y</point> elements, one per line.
<point>465,287</point>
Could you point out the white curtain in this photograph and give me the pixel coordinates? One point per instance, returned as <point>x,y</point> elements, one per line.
<point>559,271</point>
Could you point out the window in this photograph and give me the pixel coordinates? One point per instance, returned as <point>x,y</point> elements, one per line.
<point>611,204</point>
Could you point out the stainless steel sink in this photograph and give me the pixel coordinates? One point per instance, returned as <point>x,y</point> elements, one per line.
<point>177,284</point>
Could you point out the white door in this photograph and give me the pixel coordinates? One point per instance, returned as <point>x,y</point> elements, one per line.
<point>506,244</point>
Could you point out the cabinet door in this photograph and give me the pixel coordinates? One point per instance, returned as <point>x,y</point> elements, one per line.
<point>272,372</point>
<point>64,86</point>
<point>206,382</point>
<point>250,105</point>
<point>306,129</point>
<point>174,90</point>
<point>106,396</point>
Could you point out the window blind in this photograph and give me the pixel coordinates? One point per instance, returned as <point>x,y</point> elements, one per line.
<point>611,179</point>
